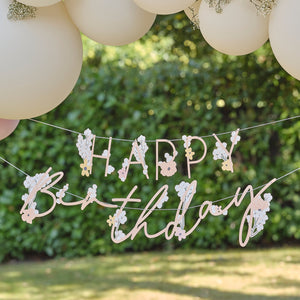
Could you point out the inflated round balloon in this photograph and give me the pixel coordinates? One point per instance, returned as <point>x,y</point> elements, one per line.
<point>40,61</point>
<point>110,22</point>
<point>284,30</point>
<point>238,30</point>
<point>192,12</point>
<point>164,7</point>
<point>7,127</point>
<point>39,3</point>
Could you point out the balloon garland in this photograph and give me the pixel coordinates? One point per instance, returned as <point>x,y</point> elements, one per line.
<point>33,82</point>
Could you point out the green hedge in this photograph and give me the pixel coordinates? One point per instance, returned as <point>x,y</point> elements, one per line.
<point>168,84</point>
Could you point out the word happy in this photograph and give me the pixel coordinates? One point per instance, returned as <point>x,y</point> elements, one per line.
<point>86,148</point>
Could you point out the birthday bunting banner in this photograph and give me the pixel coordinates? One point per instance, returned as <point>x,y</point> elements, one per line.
<point>252,220</point>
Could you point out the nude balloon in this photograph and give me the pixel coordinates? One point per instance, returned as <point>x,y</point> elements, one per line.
<point>7,127</point>
<point>40,61</point>
<point>284,31</point>
<point>238,30</point>
<point>110,22</point>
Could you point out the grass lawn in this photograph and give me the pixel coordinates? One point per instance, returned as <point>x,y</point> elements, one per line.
<point>237,274</point>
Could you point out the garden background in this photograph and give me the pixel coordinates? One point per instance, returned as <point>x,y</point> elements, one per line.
<point>167,84</point>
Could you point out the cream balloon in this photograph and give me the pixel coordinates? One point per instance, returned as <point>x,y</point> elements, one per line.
<point>284,30</point>
<point>192,13</point>
<point>40,61</point>
<point>110,22</point>
<point>238,30</point>
<point>164,7</point>
<point>7,127</point>
<point>39,3</point>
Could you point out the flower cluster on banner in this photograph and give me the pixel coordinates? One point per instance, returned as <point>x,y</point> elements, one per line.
<point>86,146</point>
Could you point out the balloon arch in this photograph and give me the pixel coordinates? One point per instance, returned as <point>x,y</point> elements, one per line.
<point>33,82</point>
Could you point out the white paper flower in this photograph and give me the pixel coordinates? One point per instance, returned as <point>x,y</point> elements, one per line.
<point>105,153</point>
<point>268,197</point>
<point>125,164</point>
<point>84,146</point>
<point>187,141</point>
<point>120,217</point>
<point>233,134</point>
<point>92,192</point>
<point>163,200</point>
<point>119,235</point>
<point>168,157</point>
<point>31,182</point>
<point>219,152</point>
<point>259,217</point>
<point>61,193</point>
<point>110,169</point>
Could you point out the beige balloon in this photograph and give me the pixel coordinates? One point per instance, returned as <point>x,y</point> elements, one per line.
<point>164,7</point>
<point>192,13</point>
<point>40,61</point>
<point>238,30</point>
<point>284,28</point>
<point>39,3</point>
<point>110,22</point>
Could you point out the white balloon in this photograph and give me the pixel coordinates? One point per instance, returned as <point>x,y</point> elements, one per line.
<point>192,12</point>
<point>110,22</point>
<point>238,30</point>
<point>40,61</point>
<point>164,7</point>
<point>39,3</point>
<point>284,28</point>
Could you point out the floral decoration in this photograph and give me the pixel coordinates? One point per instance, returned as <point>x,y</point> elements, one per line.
<point>120,217</point>
<point>111,221</point>
<point>180,233</point>
<point>29,215</point>
<point>84,146</point>
<point>189,153</point>
<point>169,167</point>
<point>164,199</point>
<point>119,235</point>
<point>221,152</point>
<point>61,193</point>
<point>260,208</point>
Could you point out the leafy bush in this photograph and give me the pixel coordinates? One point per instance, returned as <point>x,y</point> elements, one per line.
<point>168,84</point>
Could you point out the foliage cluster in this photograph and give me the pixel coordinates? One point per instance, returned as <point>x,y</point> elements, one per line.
<point>168,84</point>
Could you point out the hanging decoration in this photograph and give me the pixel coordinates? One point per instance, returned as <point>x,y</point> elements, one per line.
<point>40,61</point>
<point>253,217</point>
<point>284,35</point>
<point>110,22</point>
<point>238,30</point>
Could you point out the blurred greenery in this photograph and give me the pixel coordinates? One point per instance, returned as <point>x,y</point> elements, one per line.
<point>167,84</point>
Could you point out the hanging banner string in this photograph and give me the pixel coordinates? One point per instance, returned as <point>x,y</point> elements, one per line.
<point>172,140</point>
<point>160,209</point>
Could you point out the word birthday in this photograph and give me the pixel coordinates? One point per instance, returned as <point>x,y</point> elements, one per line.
<point>86,148</point>
<point>253,219</point>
